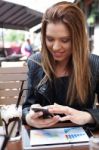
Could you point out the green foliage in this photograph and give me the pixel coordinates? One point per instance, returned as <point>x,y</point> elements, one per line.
<point>94,12</point>
<point>91,20</point>
<point>14,36</point>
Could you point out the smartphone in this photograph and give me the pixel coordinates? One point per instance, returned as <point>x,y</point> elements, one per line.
<point>46,113</point>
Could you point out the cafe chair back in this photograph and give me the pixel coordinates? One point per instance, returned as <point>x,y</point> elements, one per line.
<point>12,79</point>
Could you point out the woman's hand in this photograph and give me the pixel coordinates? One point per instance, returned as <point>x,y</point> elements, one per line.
<point>35,119</point>
<point>75,116</point>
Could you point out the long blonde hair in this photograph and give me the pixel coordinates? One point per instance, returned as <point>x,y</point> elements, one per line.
<point>73,17</point>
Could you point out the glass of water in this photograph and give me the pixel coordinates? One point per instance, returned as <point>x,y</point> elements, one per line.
<point>94,143</point>
<point>10,114</point>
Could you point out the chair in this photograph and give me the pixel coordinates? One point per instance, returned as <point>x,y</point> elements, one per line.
<point>12,79</point>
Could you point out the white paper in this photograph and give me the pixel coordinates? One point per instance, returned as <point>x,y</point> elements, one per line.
<point>58,136</point>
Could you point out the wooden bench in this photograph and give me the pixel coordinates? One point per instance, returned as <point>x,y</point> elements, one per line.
<point>11,80</point>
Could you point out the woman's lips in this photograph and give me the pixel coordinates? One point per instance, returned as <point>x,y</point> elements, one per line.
<point>58,54</point>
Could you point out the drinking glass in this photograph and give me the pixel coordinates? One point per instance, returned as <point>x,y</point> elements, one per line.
<point>94,143</point>
<point>12,118</point>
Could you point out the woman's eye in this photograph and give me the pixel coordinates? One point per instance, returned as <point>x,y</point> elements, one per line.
<point>49,39</point>
<point>65,40</point>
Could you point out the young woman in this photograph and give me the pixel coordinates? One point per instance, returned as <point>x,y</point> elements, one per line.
<point>64,77</point>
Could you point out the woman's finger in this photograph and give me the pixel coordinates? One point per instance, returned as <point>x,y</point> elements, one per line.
<point>47,122</point>
<point>60,110</point>
<point>34,115</point>
<point>65,118</point>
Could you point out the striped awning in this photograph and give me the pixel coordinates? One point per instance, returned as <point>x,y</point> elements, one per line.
<point>14,16</point>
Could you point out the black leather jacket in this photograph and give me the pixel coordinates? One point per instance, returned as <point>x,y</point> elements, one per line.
<point>45,94</point>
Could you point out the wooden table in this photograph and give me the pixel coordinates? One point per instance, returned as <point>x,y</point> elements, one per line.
<point>24,142</point>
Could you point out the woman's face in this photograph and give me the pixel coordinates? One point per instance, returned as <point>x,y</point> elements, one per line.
<point>58,41</point>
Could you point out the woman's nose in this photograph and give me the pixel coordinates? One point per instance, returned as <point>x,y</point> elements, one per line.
<point>56,46</point>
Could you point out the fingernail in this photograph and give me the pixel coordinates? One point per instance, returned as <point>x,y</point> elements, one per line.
<point>57,116</point>
<point>40,113</point>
